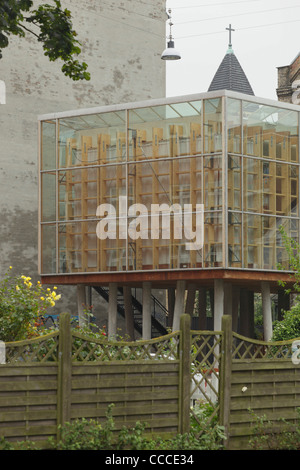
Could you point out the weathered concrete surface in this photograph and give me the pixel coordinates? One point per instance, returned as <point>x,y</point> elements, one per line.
<point>122,43</point>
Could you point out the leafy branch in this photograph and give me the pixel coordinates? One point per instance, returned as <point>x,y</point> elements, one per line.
<point>54,30</point>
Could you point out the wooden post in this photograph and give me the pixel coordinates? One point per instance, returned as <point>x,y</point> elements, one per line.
<point>185,373</point>
<point>225,374</point>
<point>64,371</point>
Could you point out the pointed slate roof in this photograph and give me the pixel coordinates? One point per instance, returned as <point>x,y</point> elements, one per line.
<point>231,76</point>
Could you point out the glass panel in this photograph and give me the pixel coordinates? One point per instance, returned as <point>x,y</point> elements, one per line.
<point>234,183</point>
<point>82,190</point>
<point>213,254</point>
<point>164,243</point>
<point>165,131</point>
<point>269,235</point>
<point>70,247</point>
<point>270,132</point>
<point>95,139</point>
<point>212,182</point>
<point>212,125</point>
<point>48,145</point>
<point>48,205</point>
<point>252,238</point>
<point>150,182</point>
<point>82,250</point>
<point>234,125</point>
<point>187,181</point>
<point>291,228</point>
<point>48,233</point>
<point>252,194</point>
<point>234,239</point>
<point>112,184</point>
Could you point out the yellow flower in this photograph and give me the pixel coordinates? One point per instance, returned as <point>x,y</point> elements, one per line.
<point>42,298</point>
<point>17,288</point>
<point>54,287</point>
<point>10,267</point>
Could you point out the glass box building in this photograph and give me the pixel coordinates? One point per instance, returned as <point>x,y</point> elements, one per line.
<point>234,155</point>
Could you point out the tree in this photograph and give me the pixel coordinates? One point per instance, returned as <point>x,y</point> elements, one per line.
<point>51,26</point>
<point>289,326</point>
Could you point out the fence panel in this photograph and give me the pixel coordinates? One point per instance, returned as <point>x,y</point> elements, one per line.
<point>28,390</point>
<point>162,382</point>
<point>264,383</point>
<point>28,402</point>
<point>146,391</point>
<point>142,379</point>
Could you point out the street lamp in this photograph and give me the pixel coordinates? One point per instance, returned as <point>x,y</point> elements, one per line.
<point>170,53</point>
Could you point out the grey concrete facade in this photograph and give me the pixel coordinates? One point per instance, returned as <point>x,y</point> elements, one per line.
<point>122,43</point>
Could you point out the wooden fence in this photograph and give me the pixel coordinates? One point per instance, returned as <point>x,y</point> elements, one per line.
<point>57,378</point>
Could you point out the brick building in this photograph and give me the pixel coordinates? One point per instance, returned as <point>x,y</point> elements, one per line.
<point>289,82</point>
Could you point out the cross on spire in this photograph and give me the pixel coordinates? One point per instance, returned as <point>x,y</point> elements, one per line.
<point>230,29</point>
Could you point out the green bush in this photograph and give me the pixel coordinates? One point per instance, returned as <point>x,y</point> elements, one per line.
<point>280,435</point>
<point>83,434</point>
<point>289,326</point>
<point>22,305</point>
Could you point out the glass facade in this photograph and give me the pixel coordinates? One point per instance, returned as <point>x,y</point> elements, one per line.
<point>102,173</point>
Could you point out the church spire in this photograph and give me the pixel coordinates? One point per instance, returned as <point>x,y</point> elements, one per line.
<point>230,75</point>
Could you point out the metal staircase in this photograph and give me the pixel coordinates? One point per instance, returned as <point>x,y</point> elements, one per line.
<point>158,329</point>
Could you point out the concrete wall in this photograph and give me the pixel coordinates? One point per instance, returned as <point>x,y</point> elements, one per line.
<point>122,43</point>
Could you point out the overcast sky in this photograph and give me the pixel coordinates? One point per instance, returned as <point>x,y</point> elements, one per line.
<point>266,36</point>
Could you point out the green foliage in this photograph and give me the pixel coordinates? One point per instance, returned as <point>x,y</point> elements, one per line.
<point>289,327</point>
<point>52,27</point>
<point>21,445</point>
<point>84,434</point>
<point>22,305</point>
<point>269,435</point>
<point>293,253</point>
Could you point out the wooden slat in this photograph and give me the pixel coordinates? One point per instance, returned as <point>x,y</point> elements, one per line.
<point>134,367</point>
<point>125,382</point>
<point>122,411</point>
<point>29,385</point>
<point>31,415</point>
<point>24,431</point>
<point>18,369</point>
<point>113,397</point>
<point>38,400</point>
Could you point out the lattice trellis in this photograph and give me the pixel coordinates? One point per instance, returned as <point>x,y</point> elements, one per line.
<point>41,349</point>
<point>85,349</point>
<point>245,348</point>
<point>205,365</point>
